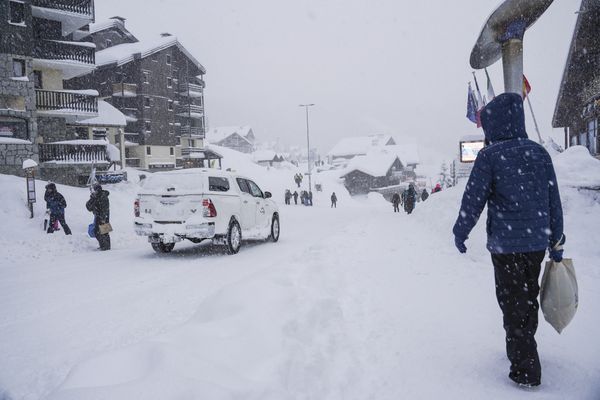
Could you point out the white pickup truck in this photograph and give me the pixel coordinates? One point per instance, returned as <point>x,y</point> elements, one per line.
<point>201,204</point>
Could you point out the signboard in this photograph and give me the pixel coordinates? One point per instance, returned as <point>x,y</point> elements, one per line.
<point>30,189</point>
<point>469,150</point>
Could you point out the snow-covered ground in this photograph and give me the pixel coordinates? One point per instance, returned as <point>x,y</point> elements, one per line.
<point>353,303</point>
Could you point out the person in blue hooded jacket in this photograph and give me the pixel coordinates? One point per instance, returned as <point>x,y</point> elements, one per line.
<point>56,204</point>
<point>515,177</point>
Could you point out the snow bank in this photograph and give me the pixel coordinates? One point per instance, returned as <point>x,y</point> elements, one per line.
<point>575,167</point>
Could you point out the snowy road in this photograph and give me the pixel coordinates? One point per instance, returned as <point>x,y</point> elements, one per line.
<point>352,303</point>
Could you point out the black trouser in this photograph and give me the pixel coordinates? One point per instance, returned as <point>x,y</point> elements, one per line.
<point>103,240</point>
<point>333,204</point>
<point>517,289</point>
<point>60,218</point>
<point>396,207</point>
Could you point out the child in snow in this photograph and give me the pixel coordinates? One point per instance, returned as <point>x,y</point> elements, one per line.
<point>56,204</point>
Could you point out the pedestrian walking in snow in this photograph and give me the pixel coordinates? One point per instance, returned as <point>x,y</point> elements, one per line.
<point>288,197</point>
<point>99,205</point>
<point>424,195</point>
<point>297,180</point>
<point>295,198</point>
<point>310,198</point>
<point>396,202</point>
<point>333,200</point>
<point>410,199</point>
<point>56,204</point>
<point>521,224</point>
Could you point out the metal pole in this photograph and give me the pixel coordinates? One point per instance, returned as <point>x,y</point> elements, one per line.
<point>537,129</point>
<point>308,146</point>
<point>512,60</point>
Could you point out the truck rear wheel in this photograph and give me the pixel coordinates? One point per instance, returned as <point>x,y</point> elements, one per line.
<point>233,240</point>
<point>163,247</point>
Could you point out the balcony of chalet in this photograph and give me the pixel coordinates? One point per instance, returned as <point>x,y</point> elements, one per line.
<point>71,58</point>
<point>124,90</point>
<point>73,14</point>
<point>192,89</point>
<point>193,111</point>
<point>69,104</point>
<point>73,152</point>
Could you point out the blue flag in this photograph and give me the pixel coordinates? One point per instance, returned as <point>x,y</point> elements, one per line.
<point>471,106</point>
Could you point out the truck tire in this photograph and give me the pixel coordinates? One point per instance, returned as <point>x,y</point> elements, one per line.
<point>163,247</point>
<point>233,239</point>
<point>275,229</point>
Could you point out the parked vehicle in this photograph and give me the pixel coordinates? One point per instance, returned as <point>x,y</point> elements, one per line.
<point>204,204</point>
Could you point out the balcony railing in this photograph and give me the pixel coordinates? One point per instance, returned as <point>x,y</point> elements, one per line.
<point>73,153</point>
<point>64,51</point>
<point>85,7</point>
<point>194,90</point>
<point>191,131</point>
<point>71,102</point>
<point>124,89</point>
<point>186,151</point>
<point>194,111</point>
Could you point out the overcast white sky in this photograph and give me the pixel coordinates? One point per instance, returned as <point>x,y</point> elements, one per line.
<point>370,66</point>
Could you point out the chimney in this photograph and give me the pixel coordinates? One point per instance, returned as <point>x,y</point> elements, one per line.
<point>165,34</point>
<point>121,19</point>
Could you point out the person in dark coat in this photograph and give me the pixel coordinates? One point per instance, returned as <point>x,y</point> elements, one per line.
<point>100,206</point>
<point>288,197</point>
<point>56,204</point>
<point>410,198</point>
<point>333,200</point>
<point>424,195</point>
<point>295,197</point>
<point>396,202</point>
<point>310,198</point>
<point>515,177</point>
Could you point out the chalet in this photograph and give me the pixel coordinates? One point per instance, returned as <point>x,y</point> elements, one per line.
<point>39,52</point>
<point>348,148</point>
<point>578,105</point>
<point>158,84</point>
<point>380,168</point>
<point>239,138</point>
<point>268,158</point>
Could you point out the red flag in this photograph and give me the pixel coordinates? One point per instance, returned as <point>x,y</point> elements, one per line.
<point>526,87</point>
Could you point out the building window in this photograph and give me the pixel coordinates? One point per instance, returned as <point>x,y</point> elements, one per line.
<point>172,151</point>
<point>147,102</point>
<point>146,77</point>
<point>592,136</point>
<point>148,126</point>
<point>37,80</point>
<point>17,12</point>
<point>19,68</point>
<point>168,59</point>
<point>12,127</point>
<point>170,106</point>
<point>99,134</point>
<point>169,82</point>
<point>148,150</point>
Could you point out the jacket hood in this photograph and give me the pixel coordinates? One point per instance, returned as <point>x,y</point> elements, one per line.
<point>503,118</point>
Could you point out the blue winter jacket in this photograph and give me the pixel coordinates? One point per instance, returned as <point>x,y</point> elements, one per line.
<point>516,179</point>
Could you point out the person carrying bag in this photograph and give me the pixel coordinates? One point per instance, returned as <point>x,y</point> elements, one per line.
<point>99,205</point>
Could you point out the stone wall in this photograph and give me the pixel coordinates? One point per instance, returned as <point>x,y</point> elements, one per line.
<point>53,130</point>
<point>73,175</point>
<point>13,155</point>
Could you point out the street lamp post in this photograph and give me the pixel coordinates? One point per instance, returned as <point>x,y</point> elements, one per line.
<point>308,147</point>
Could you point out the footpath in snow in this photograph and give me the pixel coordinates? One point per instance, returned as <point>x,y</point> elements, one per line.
<point>353,303</point>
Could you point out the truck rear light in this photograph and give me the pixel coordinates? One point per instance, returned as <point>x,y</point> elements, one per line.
<point>136,207</point>
<point>209,208</point>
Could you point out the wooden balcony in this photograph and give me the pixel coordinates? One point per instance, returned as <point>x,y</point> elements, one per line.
<point>124,90</point>
<point>66,153</point>
<point>65,102</point>
<point>64,51</point>
<point>191,89</point>
<point>191,111</point>
<point>196,131</point>
<point>84,7</point>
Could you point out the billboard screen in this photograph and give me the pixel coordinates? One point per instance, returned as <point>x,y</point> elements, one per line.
<point>469,150</point>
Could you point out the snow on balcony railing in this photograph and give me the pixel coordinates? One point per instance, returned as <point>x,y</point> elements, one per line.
<point>85,7</point>
<point>191,130</point>
<point>71,101</point>
<point>124,89</point>
<point>75,152</point>
<point>65,51</point>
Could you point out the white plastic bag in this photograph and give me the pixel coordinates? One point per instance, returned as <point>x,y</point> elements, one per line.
<point>559,295</point>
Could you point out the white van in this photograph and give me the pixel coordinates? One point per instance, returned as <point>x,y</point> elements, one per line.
<point>201,204</point>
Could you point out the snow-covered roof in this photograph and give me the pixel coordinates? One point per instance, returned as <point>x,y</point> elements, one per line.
<point>266,155</point>
<point>10,140</point>
<point>78,142</point>
<point>124,53</point>
<point>407,153</point>
<point>107,116</point>
<point>360,145</point>
<point>221,133</point>
<point>374,164</point>
<point>100,26</point>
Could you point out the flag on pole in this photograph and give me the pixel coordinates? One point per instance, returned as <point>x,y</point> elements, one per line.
<point>526,87</point>
<point>472,107</point>
<point>480,103</point>
<point>490,88</point>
